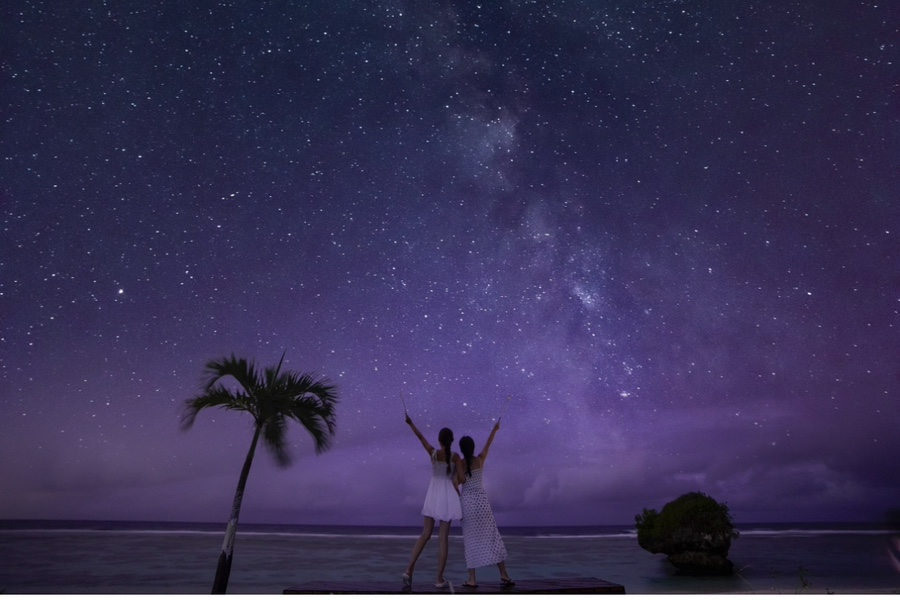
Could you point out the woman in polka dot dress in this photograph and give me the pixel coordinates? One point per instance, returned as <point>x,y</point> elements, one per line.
<point>481,539</point>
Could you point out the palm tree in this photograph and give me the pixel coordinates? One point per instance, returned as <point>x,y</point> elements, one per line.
<point>271,398</point>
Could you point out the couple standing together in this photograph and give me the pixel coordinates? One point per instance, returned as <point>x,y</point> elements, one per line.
<point>455,492</point>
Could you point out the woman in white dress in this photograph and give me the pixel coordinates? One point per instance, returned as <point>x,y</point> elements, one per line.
<point>482,540</point>
<point>441,501</point>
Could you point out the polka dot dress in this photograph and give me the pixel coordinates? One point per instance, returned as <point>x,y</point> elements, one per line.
<point>482,540</point>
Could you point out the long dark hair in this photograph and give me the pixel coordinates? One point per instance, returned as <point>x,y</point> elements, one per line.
<point>467,447</point>
<point>445,437</point>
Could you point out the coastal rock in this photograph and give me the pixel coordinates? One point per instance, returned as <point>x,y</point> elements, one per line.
<point>694,531</point>
<point>701,563</point>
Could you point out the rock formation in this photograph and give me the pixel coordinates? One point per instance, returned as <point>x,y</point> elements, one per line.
<point>694,531</point>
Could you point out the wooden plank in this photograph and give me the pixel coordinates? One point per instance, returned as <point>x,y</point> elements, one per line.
<point>577,585</point>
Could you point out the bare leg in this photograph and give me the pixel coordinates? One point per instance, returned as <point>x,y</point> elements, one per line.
<point>444,549</point>
<point>427,529</point>
<point>504,576</point>
<point>472,580</point>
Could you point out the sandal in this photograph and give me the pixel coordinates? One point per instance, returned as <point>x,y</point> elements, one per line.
<point>471,586</point>
<point>507,582</point>
<point>407,580</point>
<point>441,585</point>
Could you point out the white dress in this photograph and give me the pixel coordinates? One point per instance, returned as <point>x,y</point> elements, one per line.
<point>441,500</point>
<point>482,540</point>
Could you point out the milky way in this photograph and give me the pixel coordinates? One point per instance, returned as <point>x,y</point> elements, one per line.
<point>667,231</point>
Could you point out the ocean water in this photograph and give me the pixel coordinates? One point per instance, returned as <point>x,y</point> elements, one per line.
<point>45,557</point>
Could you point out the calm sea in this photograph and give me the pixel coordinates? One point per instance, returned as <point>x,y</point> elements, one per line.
<point>52,557</point>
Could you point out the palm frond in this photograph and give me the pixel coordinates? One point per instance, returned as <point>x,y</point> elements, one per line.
<point>240,369</point>
<point>271,376</point>
<point>271,397</point>
<point>273,435</point>
<point>314,408</point>
<point>320,423</point>
<point>216,397</point>
<point>310,401</point>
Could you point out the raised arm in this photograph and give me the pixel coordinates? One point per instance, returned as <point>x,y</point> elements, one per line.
<point>490,440</point>
<point>428,447</point>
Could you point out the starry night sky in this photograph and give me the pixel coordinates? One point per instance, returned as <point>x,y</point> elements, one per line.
<point>669,231</point>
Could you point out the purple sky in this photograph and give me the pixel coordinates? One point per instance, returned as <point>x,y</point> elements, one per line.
<point>668,230</point>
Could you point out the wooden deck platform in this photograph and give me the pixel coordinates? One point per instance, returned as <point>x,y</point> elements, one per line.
<point>579,585</point>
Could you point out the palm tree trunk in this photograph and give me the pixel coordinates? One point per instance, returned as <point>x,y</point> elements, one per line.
<point>223,570</point>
